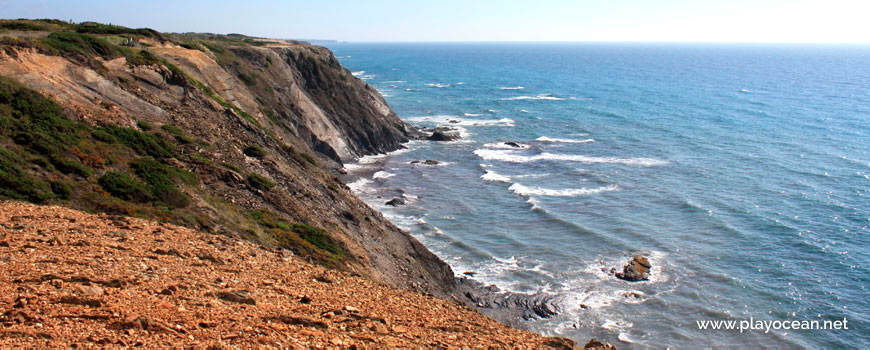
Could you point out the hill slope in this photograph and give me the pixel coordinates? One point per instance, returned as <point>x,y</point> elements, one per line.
<point>73,278</point>
<point>228,134</point>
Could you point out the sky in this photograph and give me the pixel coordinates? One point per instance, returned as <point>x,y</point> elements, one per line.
<point>750,21</point>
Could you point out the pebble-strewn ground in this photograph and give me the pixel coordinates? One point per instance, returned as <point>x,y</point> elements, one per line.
<point>71,278</point>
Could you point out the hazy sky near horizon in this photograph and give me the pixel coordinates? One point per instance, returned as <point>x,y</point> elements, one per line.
<point>789,21</point>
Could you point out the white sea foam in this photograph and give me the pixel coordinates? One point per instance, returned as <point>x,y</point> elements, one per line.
<point>570,192</point>
<point>438,85</point>
<point>356,74</point>
<point>382,175</point>
<point>453,120</point>
<point>360,186</point>
<point>472,114</point>
<point>558,140</point>
<point>495,177</point>
<point>460,83</point>
<point>395,81</point>
<point>543,97</point>
<point>616,324</point>
<point>503,145</point>
<point>514,157</point>
<point>512,88</point>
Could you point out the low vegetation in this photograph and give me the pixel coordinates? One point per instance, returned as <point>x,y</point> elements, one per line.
<point>260,182</point>
<point>255,151</point>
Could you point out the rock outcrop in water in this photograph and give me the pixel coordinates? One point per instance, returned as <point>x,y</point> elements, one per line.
<point>637,269</point>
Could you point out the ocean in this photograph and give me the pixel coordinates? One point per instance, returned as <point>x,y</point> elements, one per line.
<point>741,171</point>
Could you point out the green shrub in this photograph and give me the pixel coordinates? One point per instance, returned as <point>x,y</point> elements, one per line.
<point>102,135</point>
<point>318,237</point>
<point>248,79</point>
<point>161,180</point>
<point>84,45</point>
<point>172,129</point>
<point>255,151</point>
<point>199,159</point>
<point>124,186</point>
<point>309,158</point>
<point>61,190</point>
<point>231,166</point>
<point>35,121</point>
<point>287,148</point>
<point>260,182</point>
<point>16,184</point>
<point>143,143</point>
<point>145,126</point>
<point>183,139</point>
<point>99,28</point>
<point>22,26</point>
<point>71,166</point>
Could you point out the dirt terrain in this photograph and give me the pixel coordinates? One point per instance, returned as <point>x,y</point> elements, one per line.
<point>75,278</point>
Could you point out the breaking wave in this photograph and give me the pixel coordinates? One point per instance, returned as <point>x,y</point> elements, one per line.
<point>558,140</point>
<point>495,177</point>
<point>570,192</point>
<point>513,157</point>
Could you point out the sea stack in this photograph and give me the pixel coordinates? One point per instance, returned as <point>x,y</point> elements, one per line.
<point>636,270</point>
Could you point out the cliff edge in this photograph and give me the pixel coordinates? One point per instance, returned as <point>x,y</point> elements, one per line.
<point>227,134</point>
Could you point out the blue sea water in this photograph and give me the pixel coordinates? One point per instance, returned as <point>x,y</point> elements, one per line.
<point>742,171</point>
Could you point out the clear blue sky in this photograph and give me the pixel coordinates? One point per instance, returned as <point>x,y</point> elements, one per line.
<point>480,20</point>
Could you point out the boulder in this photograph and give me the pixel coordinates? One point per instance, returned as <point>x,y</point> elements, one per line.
<point>444,136</point>
<point>426,162</point>
<point>560,343</point>
<point>594,344</point>
<point>396,202</point>
<point>513,144</point>
<point>636,270</point>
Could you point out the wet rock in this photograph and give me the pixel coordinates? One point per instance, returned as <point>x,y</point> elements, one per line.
<point>441,136</point>
<point>636,270</point>
<point>594,344</point>
<point>560,343</point>
<point>396,202</point>
<point>514,144</point>
<point>426,162</point>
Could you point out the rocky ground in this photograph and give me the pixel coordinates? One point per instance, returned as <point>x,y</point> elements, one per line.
<point>73,279</point>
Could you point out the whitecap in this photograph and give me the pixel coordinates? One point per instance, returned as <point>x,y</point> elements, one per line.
<point>382,175</point>
<point>495,177</point>
<point>512,88</point>
<point>437,85</point>
<point>356,74</point>
<point>569,192</point>
<point>472,114</point>
<point>541,97</point>
<point>616,324</point>
<point>454,120</point>
<point>558,140</point>
<point>513,157</point>
<point>394,81</point>
<point>361,185</point>
<point>504,145</point>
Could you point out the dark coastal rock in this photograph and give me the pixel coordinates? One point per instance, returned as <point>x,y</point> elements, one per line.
<point>508,307</point>
<point>636,270</point>
<point>396,202</point>
<point>440,133</point>
<point>444,136</point>
<point>514,144</point>
<point>594,344</point>
<point>426,162</point>
<point>560,343</point>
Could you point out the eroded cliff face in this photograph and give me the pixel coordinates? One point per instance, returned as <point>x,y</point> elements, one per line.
<point>293,101</point>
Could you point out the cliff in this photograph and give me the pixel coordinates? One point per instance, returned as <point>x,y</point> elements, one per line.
<point>231,135</point>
